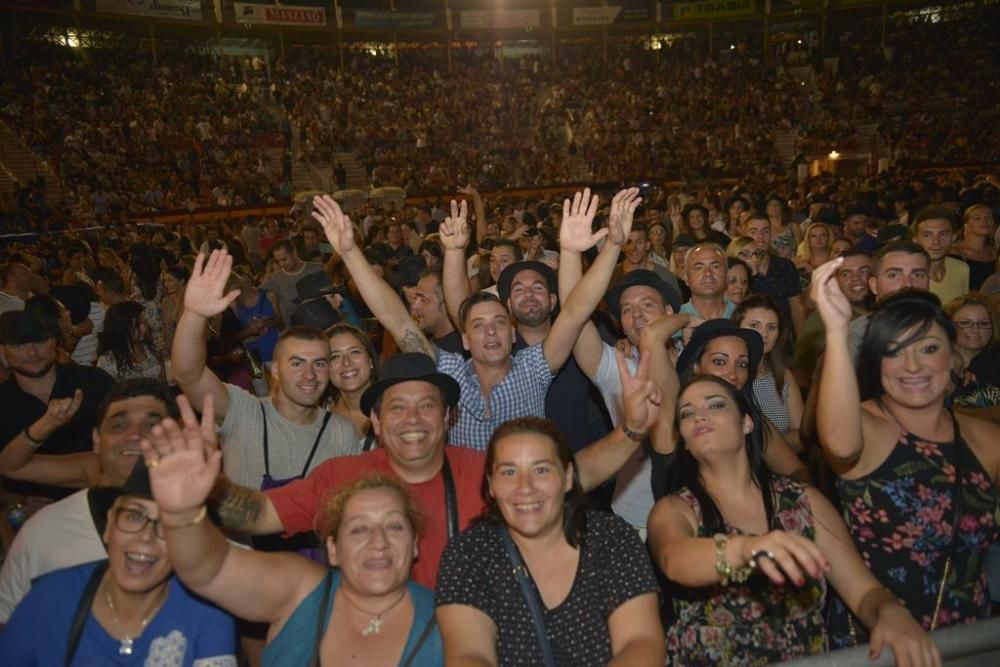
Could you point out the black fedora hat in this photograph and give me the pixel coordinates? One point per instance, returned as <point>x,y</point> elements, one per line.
<point>719,328</point>
<point>315,313</point>
<point>18,326</point>
<point>507,277</point>
<point>645,278</point>
<point>406,367</point>
<point>102,498</point>
<point>313,286</point>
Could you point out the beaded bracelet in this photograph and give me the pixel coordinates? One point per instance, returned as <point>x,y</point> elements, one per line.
<point>726,571</point>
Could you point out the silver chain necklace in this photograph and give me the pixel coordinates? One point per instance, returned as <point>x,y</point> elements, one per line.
<point>128,641</point>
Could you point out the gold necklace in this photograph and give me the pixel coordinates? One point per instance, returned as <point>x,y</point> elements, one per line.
<point>127,641</point>
<point>375,622</point>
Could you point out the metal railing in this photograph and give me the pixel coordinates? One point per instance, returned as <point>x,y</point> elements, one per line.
<point>970,645</point>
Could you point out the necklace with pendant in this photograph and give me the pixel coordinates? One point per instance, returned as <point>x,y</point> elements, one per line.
<point>127,641</point>
<point>375,622</point>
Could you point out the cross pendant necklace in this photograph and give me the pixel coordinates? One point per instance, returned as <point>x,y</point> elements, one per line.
<point>127,642</point>
<point>375,621</point>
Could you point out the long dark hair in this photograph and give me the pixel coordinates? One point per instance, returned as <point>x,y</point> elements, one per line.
<point>118,338</point>
<point>574,516</point>
<point>777,358</point>
<point>899,320</point>
<point>684,469</point>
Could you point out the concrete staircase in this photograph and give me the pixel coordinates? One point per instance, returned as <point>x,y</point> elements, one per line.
<point>19,163</point>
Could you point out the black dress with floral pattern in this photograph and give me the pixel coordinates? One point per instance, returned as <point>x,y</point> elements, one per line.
<point>757,622</point>
<point>901,517</point>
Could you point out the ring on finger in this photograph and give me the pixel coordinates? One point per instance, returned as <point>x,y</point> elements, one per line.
<point>757,554</point>
<point>152,463</point>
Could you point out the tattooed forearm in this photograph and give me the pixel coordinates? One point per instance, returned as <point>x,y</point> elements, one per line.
<point>241,508</point>
<point>415,341</point>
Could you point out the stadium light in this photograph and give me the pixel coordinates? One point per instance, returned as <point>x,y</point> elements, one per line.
<point>834,155</point>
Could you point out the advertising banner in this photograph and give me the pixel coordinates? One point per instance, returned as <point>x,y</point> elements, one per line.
<point>279,15</point>
<point>184,10</point>
<point>499,18</point>
<point>612,15</point>
<point>383,20</point>
<point>712,9</point>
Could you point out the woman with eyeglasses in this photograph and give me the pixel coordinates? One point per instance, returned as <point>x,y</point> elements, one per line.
<point>917,483</point>
<point>745,248</point>
<point>976,335</point>
<point>127,610</point>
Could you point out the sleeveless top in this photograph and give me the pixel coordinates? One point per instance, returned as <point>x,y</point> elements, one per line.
<point>784,243</point>
<point>901,517</point>
<point>756,622</point>
<point>774,407</point>
<point>294,644</point>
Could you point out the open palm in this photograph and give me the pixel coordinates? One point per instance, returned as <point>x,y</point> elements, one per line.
<point>623,207</point>
<point>337,226</point>
<point>183,462</point>
<point>204,293</point>
<point>576,230</point>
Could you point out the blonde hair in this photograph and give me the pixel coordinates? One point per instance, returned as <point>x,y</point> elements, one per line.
<point>804,251</point>
<point>331,517</point>
<point>738,245</point>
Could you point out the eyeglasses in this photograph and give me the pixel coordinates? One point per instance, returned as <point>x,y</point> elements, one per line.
<point>131,520</point>
<point>751,254</point>
<point>974,324</point>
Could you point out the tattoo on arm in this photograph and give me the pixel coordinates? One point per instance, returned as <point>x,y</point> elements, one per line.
<point>414,341</point>
<point>240,507</point>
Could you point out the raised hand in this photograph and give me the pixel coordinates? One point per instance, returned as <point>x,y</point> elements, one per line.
<point>183,461</point>
<point>61,410</point>
<point>454,231</point>
<point>622,212</point>
<point>641,396</point>
<point>576,231</point>
<point>203,293</point>
<point>834,308</point>
<point>337,226</point>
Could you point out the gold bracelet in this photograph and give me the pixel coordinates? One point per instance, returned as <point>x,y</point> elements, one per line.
<point>726,571</point>
<point>193,522</point>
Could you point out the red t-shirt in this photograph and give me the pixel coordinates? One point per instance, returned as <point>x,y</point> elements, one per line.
<point>299,503</point>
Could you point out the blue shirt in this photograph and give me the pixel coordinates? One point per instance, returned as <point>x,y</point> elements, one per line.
<point>185,631</point>
<point>520,394</point>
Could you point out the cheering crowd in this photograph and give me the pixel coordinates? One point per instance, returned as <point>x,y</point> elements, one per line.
<point>628,427</point>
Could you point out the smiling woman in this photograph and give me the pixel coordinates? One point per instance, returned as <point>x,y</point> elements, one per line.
<point>917,483</point>
<point>127,610</point>
<point>595,586</point>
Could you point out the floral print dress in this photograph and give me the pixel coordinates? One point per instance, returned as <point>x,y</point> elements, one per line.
<point>901,518</point>
<point>757,622</point>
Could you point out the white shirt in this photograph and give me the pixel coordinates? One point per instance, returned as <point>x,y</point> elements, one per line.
<point>633,497</point>
<point>59,535</point>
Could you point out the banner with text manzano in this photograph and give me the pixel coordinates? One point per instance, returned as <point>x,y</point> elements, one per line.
<point>279,15</point>
<point>712,9</point>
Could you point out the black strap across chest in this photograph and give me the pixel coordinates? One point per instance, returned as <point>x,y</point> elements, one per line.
<point>530,594</point>
<point>450,499</point>
<point>312,452</point>
<point>83,611</point>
